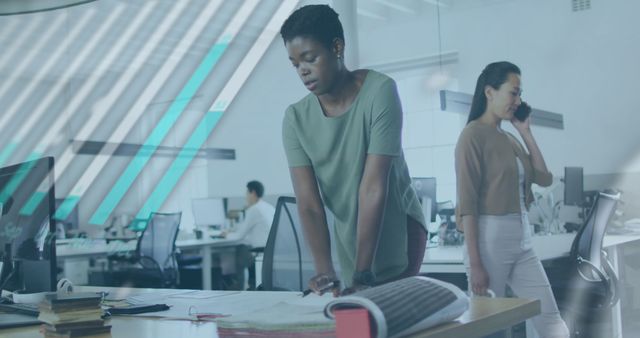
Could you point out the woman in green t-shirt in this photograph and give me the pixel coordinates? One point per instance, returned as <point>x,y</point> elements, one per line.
<point>343,142</point>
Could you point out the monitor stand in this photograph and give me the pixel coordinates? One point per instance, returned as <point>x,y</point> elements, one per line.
<point>33,273</point>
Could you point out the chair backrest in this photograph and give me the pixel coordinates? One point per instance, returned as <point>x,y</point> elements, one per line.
<point>588,242</point>
<point>158,240</point>
<point>288,263</point>
<point>594,271</point>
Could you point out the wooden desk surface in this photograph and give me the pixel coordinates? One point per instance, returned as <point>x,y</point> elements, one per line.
<point>133,327</point>
<point>486,315</point>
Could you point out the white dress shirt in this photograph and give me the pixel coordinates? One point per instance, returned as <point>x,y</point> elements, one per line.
<point>256,225</point>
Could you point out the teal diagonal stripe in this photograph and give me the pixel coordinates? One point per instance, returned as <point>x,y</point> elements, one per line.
<point>16,180</point>
<point>7,152</point>
<point>30,207</point>
<point>180,164</point>
<point>143,155</point>
<point>66,207</point>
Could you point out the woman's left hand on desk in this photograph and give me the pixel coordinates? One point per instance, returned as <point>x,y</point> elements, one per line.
<point>353,289</point>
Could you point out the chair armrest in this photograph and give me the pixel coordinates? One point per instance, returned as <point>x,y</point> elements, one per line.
<point>259,249</point>
<point>615,292</point>
<point>602,278</point>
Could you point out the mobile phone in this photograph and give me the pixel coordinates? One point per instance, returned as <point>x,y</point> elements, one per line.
<point>522,112</point>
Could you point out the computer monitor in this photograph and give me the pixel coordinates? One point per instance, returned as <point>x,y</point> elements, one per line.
<point>426,188</point>
<point>573,186</point>
<point>27,228</point>
<point>208,212</point>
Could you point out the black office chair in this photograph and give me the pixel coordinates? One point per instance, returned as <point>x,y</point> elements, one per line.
<point>586,287</point>
<point>154,262</point>
<point>288,263</point>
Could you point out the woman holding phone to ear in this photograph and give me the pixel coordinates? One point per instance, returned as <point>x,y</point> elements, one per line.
<point>494,173</point>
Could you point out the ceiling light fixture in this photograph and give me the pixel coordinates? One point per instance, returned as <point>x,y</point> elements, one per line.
<point>440,78</point>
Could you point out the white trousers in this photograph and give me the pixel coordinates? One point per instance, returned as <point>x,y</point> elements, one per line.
<point>508,258</point>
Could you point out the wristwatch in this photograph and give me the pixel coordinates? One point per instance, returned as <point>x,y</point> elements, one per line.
<point>366,277</point>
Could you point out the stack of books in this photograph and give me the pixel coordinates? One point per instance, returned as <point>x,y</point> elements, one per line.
<point>72,315</point>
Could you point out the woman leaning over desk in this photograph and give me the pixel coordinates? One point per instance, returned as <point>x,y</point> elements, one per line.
<point>494,174</point>
<point>343,142</point>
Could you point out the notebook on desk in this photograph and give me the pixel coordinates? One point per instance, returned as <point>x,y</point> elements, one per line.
<point>28,309</point>
<point>11,320</point>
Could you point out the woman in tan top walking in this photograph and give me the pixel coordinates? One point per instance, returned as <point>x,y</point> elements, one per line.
<point>494,175</point>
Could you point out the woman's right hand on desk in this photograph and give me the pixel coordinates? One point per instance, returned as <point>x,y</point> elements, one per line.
<point>479,280</point>
<point>318,283</point>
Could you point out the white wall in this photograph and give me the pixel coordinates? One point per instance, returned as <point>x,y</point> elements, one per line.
<point>253,125</point>
<point>581,65</point>
<point>253,128</point>
<point>429,135</point>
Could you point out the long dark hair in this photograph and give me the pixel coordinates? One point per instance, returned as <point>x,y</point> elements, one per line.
<point>494,75</point>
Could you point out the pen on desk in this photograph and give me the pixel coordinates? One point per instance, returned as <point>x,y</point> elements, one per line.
<point>334,284</point>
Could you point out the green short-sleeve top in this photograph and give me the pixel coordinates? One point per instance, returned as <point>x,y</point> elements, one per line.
<point>337,148</point>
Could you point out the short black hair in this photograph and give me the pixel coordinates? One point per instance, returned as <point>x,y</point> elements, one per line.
<point>257,187</point>
<point>319,22</point>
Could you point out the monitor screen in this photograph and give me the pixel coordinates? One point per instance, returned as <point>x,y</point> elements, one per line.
<point>27,198</point>
<point>208,211</point>
<point>426,188</point>
<point>573,186</point>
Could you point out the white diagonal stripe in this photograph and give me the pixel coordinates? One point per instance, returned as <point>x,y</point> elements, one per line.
<point>251,59</point>
<point>12,37</point>
<point>26,31</point>
<point>57,129</point>
<point>95,76</point>
<point>54,58</point>
<point>229,33</point>
<point>143,100</point>
<point>225,97</point>
<point>25,62</point>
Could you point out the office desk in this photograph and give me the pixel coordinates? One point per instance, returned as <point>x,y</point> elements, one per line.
<point>484,316</point>
<point>448,259</point>
<point>87,248</point>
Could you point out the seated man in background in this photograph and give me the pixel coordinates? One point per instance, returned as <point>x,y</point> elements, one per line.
<point>258,217</point>
<point>254,230</point>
